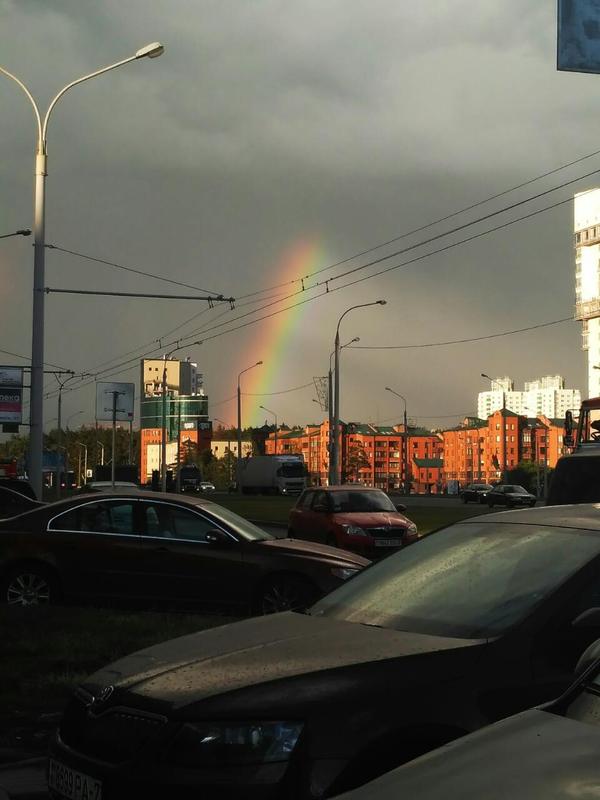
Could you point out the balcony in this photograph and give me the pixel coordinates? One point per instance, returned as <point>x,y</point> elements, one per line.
<point>587,309</point>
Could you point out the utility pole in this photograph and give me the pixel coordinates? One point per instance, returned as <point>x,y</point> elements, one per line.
<point>115,396</point>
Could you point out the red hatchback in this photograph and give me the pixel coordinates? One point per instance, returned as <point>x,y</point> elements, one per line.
<point>355,518</point>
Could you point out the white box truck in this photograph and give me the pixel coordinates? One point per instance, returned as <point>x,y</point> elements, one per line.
<point>273,474</point>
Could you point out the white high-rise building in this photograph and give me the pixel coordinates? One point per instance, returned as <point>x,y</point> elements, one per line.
<point>587,280</point>
<point>546,396</point>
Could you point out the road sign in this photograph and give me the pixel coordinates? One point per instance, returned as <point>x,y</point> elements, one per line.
<point>11,394</point>
<point>578,43</point>
<point>104,401</point>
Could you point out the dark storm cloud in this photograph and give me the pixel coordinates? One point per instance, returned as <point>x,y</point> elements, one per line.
<point>269,121</point>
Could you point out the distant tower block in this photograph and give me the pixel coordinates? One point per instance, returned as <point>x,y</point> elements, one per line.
<point>587,280</point>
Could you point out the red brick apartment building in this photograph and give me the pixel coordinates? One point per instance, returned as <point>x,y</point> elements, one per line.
<point>478,450</point>
<point>473,451</point>
<point>370,454</point>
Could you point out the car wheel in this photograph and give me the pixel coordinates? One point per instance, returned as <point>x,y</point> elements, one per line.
<point>532,503</point>
<point>291,533</point>
<point>464,499</point>
<point>331,540</point>
<point>286,593</point>
<point>29,585</point>
<point>490,504</point>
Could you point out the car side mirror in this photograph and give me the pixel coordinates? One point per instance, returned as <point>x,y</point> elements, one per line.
<point>590,618</point>
<point>215,536</point>
<point>400,507</point>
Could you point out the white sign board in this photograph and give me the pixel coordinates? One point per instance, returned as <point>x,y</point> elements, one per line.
<point>11,394</point>
<point>11,376</point>
<point>578,45</point>
<point>105,393</point>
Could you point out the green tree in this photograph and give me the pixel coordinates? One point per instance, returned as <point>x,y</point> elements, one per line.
<point>357,459</point>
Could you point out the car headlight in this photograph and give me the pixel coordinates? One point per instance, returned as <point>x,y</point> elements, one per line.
<point>412,528</point>
<point>344,572</point>
<point>353,530</point>
<point>212,744</point>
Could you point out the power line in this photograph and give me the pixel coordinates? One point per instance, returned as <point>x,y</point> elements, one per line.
<point>128,269</point>
<point>209,299</point>
<point>283,391</point>
<point>432,223</point>
<point>27,358</point>
<point>461,341</point>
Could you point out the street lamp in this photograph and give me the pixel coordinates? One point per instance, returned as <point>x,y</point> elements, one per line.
<point>268,410</point>
<point>82,445</point>
<point>36,442</point>
<point>25,232</point>
<point>163,443</point>
<point>407,477</point>
<point>504,470</point>
<point>330,407</point>
<point>335,450</point>
<point>101,446</point>
<point>239,424</point>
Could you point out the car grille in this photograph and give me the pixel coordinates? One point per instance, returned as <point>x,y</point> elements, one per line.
<point>114,736</point>
<point>386,533</point>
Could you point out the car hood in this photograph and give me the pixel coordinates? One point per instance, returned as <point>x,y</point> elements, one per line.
<point>535,755</point>
<point>335,555</point>
<point>373,519</point>
<point>184,671</point>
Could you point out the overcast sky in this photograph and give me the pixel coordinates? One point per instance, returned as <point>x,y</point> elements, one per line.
<point>269,125</point>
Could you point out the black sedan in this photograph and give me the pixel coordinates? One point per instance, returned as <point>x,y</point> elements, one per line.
<point>160,550</point>
<point>548,753</point>
<point>463,627</point>
<point>13,502</point>
<point>510,496</point>
<point>475,492</point>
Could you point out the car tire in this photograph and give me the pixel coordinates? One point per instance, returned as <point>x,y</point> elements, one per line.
<point>331,540</point>
<point>286,593</point>
<point>532,503</point>
<point>464,499</point>
<point>29,584</point>
<point>490,504</point>
<point>291,533</point>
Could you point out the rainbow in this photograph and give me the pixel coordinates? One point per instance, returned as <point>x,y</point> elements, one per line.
<point>272,337</point>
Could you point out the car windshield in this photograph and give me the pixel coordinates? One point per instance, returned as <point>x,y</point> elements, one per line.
<point>241,526</point>
<point>472,580</point>
<point>344,501</point>
<point>515,490</point>
<point>292,469</point>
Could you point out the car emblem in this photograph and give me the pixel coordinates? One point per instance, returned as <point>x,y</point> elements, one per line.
<point>101,698</point>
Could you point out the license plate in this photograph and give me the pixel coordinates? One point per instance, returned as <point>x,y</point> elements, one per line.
<point>72,784</point>
<point>388,543</point>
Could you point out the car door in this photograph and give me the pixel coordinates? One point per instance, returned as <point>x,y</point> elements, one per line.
<point>96,548</point>
<point>182,562</point>
<point>316,517</point>
<point>301,516</point>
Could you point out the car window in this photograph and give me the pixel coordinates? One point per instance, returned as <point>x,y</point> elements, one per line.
<point>321,498</point>
<point>305,499</point>
<point>176,522</point>
<point>108,516</point>
<point>357,501</point>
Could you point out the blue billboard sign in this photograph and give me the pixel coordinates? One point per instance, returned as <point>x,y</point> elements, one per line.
<point>578,40</point>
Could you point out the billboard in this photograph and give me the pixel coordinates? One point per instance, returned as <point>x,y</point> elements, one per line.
<point>105,393</point>
<point>11,394</point>
<point>578,40</point>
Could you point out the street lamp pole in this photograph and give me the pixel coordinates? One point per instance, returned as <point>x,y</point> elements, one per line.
<point>163,441</point>
<point>330,474</point>
<point>36,442</point>
<point>268,410</point>
<point>238,466</point>
<point>407,476</point>
<point>229,429</point>
<point>336,411</point>
<point>504,465</point>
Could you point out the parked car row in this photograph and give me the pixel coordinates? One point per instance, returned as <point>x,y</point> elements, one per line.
<point>459,630</point>
<point>509,495</point>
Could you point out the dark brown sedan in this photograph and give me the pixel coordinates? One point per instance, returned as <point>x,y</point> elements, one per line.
<point>161,550</point>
